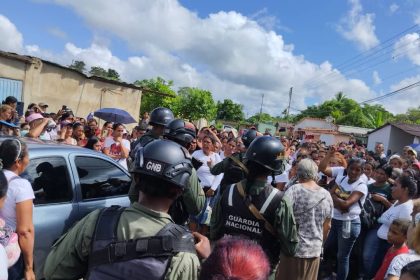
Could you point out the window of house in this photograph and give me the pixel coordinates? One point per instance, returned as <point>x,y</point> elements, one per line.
<point>100,178</point>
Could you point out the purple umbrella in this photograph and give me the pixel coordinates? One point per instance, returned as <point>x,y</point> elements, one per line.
<point>114,115</point>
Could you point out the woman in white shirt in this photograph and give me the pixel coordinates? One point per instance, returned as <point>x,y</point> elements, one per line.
<point>346,226</point>
<point>208,181</point>
<point>377,245</point>
<point>18,207</point>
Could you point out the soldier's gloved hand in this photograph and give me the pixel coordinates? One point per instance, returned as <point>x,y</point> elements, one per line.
<point>202,245</point>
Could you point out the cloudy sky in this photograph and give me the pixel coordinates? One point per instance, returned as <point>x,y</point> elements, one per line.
<point>236,49</point>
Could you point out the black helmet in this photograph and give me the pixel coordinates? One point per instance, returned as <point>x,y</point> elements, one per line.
<point>161,116</point>
<point>248,137</point>
<point>180,131</point>
<point>266,151</point>
<point>164,160</point>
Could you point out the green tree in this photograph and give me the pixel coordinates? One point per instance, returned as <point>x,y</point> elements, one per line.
<point>263,117</point>
<point>98,71</point>
<point>157,93</point>
<point>229,110</point>
<point>412,116</point>
<point>113,74</point>
<point>347,111</point>
<point>78,65</point>
<point>195,103</point>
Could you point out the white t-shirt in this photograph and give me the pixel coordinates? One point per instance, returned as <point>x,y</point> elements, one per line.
<point>401,211</point>
<point>354,210</point>
<point>3,263</point>
<point>400,261</point>
<point>206,178</point>
<point>338,174</point>
<point>115,149</point>
<point>19,190</point>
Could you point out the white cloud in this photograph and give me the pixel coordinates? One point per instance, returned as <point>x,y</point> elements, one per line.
<point>404,100</point>
<point>57,32</point>
<point>417,17</point>
<point>393,8</point>
<point>227,53</point>
<point>408,46</point>
<point>11,39</point>
<point>376,79</point>
<point>268,21</point>
<point>358,27</point>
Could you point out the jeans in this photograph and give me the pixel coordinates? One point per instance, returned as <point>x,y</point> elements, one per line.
<point>343,246</point>
<point>374,250</point>
<point>16,271</point>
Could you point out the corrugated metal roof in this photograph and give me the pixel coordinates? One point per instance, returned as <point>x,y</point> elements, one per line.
<point>412,129</point>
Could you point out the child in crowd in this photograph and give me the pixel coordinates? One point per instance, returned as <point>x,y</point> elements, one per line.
<point>397,236</point>
<point>413,242</point>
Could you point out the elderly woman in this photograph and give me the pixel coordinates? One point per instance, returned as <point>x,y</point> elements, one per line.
<point>313,209</point>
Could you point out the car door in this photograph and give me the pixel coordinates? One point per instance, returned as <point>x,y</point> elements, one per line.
<point>56,208</point>
<point>101,182</point>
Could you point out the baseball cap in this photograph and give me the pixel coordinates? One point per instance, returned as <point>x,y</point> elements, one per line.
<point>42,104</point>
<point>34,116</point>
<point>410,149</point>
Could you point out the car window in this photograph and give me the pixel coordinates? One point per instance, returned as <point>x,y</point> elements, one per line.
<point>100,178</point>
<point>49,179</point>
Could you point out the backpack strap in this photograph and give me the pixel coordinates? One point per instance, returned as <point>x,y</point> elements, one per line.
<point>267,202</point>
<point>238,162</point>
<point>255,211</point>
<point>105,230</point>
<point>170,240</point>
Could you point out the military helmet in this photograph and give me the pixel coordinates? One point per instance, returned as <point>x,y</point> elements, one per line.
<point>248,137</point>
<point>180,131</point>
<point>164,160</point>
<point>266,151</point>
<point>161,116</point>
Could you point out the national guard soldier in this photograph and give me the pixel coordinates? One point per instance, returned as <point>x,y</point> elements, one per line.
<point>193,198</point>
<point>159,118</point>
<point>138,242</point>
<point>256,209</point>
<point>232,167</point>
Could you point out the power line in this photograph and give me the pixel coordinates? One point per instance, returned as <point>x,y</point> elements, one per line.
<point>358,59</point>
<point>333,79</point>
<point>413,85</point>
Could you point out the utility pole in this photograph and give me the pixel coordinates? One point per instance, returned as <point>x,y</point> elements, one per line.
<point>290,100</point>
<point>262,102</point>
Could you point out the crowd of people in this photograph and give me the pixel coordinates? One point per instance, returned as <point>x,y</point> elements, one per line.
<point>273,207</point>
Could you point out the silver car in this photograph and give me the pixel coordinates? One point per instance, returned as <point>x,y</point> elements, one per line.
<point>69,182</point>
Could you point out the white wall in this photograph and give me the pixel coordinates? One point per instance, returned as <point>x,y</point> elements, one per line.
<point>382,135</point>
<point>329,139</point>
<point>310,123</point>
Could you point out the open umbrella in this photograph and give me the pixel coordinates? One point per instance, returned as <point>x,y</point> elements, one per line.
<point>114,115</point>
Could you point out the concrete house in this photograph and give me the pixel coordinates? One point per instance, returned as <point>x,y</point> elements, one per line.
<point>394,136</point>
<point>31,79</point>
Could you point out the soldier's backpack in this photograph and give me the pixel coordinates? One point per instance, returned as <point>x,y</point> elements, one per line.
<point>142,258</point>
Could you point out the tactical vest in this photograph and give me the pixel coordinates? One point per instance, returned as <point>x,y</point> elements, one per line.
<point>239,220</point>
<point>143,258</point>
